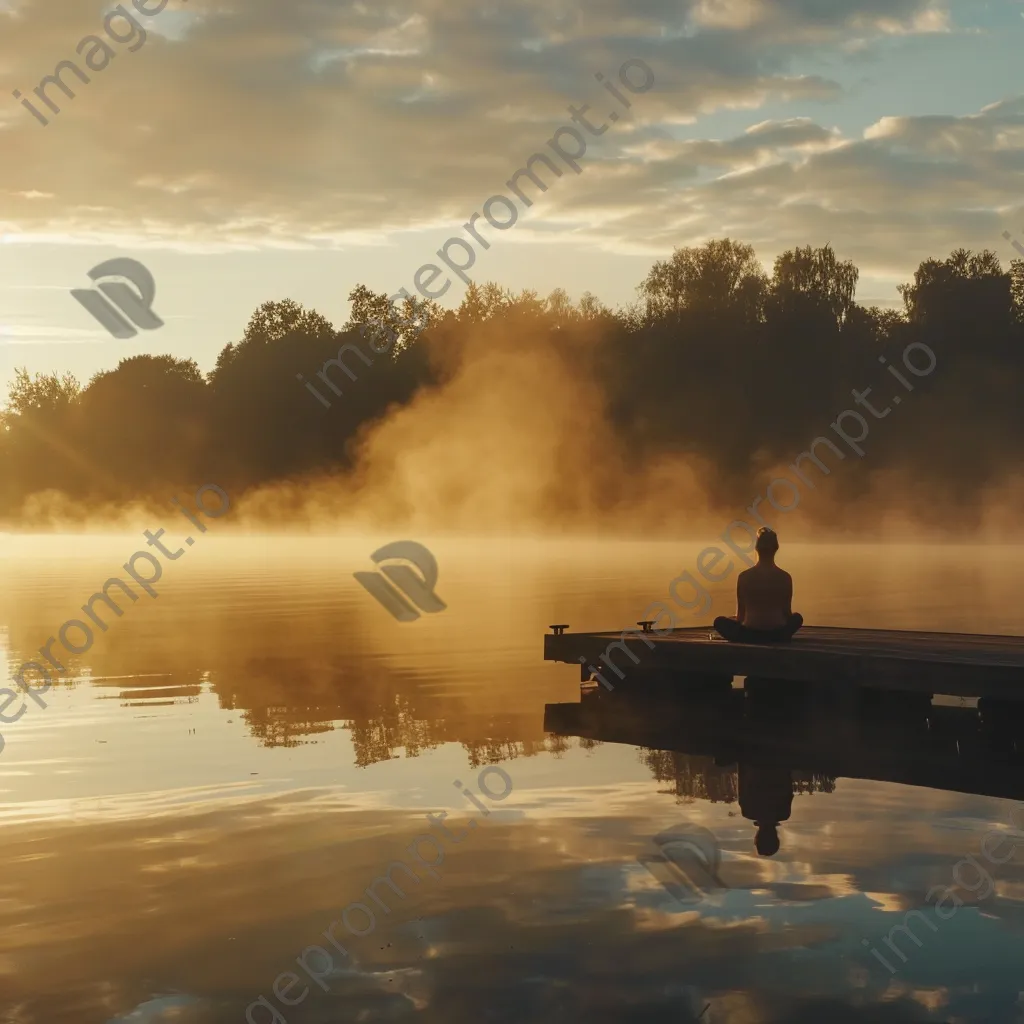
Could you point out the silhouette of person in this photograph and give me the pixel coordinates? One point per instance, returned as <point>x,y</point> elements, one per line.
<point>766,799</point>
<point>764,599</point>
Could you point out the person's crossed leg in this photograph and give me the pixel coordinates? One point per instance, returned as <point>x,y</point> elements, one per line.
<point>737,633</point>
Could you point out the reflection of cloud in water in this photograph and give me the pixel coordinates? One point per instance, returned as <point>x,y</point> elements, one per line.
<point>887,901</point>
<point>411,983</point>
<point>166,1010</point>
<point>547,917</point>
<point>931,998</point>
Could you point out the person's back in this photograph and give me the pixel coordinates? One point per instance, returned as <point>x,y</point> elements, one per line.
<point>765,595</point>
<point>764,599</point>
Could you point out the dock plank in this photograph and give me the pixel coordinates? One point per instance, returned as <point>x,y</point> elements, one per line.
<point>961,664</point>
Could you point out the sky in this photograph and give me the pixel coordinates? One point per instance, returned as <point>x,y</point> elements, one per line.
<point>249,150</point>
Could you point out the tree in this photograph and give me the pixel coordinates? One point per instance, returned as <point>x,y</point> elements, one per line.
<point>273,323</point>
<point>559,307</point>
<point>144,424</point>
<point>44,394</point>
<point>38,448</point>
<point>965,282</point>
<point>719,276</point>
<point>592,308</point>
<point>1017,289</point>
<point>385,325</point>
<point>815,276</point>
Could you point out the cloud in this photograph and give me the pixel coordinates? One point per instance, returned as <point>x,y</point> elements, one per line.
<point>277,123</point>
<point>802,16</point>
<point>887,199</point>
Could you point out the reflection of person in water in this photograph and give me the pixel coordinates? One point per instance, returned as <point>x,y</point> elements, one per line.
<point>766,799</point>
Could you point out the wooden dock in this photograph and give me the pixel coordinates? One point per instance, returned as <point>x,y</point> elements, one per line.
<point>959,664</point>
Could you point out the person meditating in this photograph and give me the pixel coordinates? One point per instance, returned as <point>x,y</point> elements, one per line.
<point>764,598</point>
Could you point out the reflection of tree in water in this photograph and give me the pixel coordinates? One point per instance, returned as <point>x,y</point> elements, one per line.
<point>395,726</point>
<point>695,776</point>
<point>698,777</point>
<point>288,702</point>
<point>813,782</point>
<point>283,726</point>
<point>557,744</point>
<point>494,750</point>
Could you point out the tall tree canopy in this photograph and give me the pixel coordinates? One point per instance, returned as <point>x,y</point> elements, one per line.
<point>717,358</point>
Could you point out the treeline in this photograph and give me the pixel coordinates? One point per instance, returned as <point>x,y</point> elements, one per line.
<point>715,358</point>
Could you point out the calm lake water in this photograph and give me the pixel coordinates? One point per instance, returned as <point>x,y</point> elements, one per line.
<point>233,763</point>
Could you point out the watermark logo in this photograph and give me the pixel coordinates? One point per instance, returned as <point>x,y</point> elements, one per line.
<point>403,591</point>
<point>685,860</point>
<point>133,304</point>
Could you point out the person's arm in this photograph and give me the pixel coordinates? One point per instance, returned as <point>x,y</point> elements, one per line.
<point>789,596</point>
<point>741,603</point>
